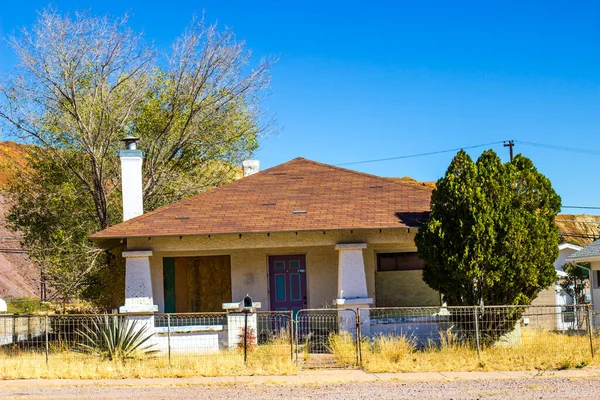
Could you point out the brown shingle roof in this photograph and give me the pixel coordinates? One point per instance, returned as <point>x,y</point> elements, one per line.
<point>274,200</point>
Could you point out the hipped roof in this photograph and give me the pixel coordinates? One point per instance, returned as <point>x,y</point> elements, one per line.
<point>299,195</point>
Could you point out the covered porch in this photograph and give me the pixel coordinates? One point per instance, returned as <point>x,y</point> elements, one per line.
<point>283,271</point>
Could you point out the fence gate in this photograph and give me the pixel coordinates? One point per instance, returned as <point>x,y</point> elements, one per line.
<point>326,337</point>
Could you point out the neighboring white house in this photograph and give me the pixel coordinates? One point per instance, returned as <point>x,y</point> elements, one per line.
<point>563,299</point>
<point>590,254</point>
<point>555,294</point>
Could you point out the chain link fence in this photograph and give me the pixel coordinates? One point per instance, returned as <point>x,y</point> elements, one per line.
<point>227,341</point>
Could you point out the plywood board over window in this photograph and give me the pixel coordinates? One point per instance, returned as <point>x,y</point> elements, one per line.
<point>399,281</point>
<point>197,284</point>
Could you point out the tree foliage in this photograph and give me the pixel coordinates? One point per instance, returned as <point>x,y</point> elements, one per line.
<point>576,281</point>
<point>490,238</point>
<point>83,83</point>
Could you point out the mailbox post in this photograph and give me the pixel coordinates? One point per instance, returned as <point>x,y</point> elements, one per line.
<point>237,328</point>
<point>247,309</point>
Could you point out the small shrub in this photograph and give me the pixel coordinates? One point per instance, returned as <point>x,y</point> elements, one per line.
<point>250,339</point>
<point>26,305</point>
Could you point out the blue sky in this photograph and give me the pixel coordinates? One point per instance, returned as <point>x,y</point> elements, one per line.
<point>369,80</point>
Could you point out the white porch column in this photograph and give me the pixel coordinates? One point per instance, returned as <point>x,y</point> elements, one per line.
<point>138,283</point>
<point>352,285</point>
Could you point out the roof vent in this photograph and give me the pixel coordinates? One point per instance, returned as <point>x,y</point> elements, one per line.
<point>268,204</point>
<point>376,187</point>
<point>299,212</point>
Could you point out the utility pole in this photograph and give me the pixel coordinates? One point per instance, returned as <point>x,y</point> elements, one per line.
<point>510,144</point>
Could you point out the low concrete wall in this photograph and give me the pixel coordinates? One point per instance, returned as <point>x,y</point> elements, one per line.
<point>20,329</point>
<point>192,340</point>
<point>423,330</point>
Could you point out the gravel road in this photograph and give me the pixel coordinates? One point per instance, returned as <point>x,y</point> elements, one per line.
<point>536,388</point>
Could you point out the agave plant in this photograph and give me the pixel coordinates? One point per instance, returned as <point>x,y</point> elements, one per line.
<point>115,338</point>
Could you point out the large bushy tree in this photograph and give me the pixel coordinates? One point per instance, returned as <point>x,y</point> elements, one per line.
<point>84,82</point>
<point>491,238</point>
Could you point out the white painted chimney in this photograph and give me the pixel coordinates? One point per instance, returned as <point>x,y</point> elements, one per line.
<point>131,179</point>
<point>250,167</point>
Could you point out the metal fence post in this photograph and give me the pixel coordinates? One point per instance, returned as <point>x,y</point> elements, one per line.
<point>169,338</point>
<point>590,316</point>
<point>296,334</point>
<point>358,339</point>
<point>291,332</point>
<point>245,336</point>
<point>46,323</point>
<point>476,330</point>
<point>15,334</point>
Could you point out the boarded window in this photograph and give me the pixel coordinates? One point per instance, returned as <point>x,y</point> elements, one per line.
<point>196,284</point>
<point>399,282</point>
<point>398,262</point>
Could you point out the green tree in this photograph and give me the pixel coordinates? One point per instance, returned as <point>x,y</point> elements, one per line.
<point>490,238</point>
<point>82,83</point>
<point>576,281</point>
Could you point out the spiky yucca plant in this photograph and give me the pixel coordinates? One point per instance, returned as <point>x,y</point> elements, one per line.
<point>115,338</point>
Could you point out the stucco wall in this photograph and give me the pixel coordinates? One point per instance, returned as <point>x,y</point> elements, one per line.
<point>249,254</point>
<point>546,297</point>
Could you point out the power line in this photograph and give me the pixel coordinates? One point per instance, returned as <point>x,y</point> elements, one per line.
<point>583,207</point>
<point>579,235</point>
<point>506,143</point>
<point>13,251</point>
<point>577,221</point>
<point>421,154</point>
<point>559,148</point>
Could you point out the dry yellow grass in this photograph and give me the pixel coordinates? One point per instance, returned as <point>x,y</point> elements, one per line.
<point>538,351</point>
<point>266,360</point>
<point>343,347</point>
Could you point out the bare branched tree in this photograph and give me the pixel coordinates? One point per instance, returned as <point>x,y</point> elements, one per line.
<point>84,82</point>
<point>79,81</point>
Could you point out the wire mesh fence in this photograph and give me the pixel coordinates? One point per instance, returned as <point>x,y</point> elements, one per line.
<point>491,330</point>
<point>200,341</point>
<point>327,331</point>
<point>193,341</point>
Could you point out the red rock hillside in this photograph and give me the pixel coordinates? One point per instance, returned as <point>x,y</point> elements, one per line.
<point>19,277</point>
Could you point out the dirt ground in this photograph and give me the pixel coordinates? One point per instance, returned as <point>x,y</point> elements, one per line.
<point>531,388</point>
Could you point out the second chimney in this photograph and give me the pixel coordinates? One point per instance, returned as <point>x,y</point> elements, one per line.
<point>131,179</point>
<point>250,167</point>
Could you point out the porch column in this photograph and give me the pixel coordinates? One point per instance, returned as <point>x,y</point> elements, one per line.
<point>352,285</point>
<point>138,283</point>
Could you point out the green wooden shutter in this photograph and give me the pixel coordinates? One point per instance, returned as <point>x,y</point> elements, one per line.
<point>169,283</point>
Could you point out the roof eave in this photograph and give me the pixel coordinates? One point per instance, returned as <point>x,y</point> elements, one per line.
<point>97,239</point>
<point>584,258</point>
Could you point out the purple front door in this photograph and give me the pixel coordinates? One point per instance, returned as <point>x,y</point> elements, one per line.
<point>287,279</point>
